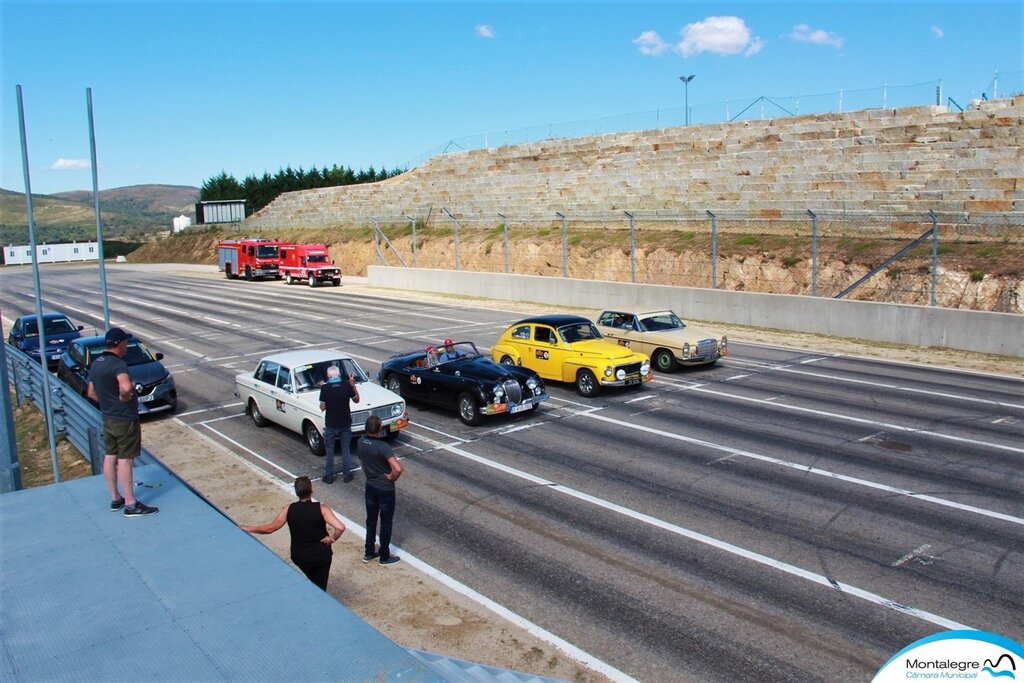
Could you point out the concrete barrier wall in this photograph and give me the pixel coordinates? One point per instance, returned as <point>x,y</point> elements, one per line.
<point>973,331</point>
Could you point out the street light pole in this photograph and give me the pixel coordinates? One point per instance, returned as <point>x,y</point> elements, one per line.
<point>686,82</point>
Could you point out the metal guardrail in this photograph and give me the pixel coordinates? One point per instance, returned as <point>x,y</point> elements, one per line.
<point>74,417</point>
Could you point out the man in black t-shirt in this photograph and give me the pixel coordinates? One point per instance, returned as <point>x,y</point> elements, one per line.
<point>335,400</point>
<point>382,470</point>
<point>111,387</point>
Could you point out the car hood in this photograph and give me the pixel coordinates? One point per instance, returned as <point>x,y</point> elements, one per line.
<point>370,396</point>
<point>689,334</point>
<point>55,343</point>
<point>147,373</point>
<point>484,369</point>
<point>602,348</point>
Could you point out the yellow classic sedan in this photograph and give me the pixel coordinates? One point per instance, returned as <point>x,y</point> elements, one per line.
<point>661,334</point>
<point>568,348</point>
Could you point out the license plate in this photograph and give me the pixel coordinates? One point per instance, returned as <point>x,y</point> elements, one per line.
<point>635,380</point>
<point>146,399</point>
<point>521,408</point>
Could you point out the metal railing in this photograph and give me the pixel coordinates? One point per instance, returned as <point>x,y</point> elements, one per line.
<point>74,417</point>
<point>780,251</point>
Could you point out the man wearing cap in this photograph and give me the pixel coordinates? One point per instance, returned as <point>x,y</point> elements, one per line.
<point>450,352</point>
<point>336,397</point>
<point>111,387</point>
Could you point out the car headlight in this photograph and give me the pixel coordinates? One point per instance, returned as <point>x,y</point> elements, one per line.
<point>645,368</point>
<point>531,383</point>
<point>620,374</point>
<point>498,391</point>
<point>724,343</point>
<point>396,410</point>
<point>168,380</point>
<point>686,350</point>
<point>608,371</point>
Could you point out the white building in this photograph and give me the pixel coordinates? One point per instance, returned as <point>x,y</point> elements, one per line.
<point>52,253</point>
<point>181,222</point>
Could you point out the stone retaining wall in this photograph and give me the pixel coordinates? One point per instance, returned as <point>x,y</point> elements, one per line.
<point>885,160</point>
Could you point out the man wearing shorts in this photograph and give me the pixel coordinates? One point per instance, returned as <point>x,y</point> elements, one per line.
<point>111,387</point>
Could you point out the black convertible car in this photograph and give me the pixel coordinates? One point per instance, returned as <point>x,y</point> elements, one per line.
<point>460,377</point>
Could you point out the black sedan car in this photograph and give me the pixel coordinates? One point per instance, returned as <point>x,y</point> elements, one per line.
<point>154,385</point>
<point>57,328</point>
<point>460,377</point>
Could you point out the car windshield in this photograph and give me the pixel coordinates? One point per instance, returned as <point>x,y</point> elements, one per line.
<point>265,251</point>
<point>451,352</point>
<point>580,331</point>
<point>316,258</point>
<point>137,354</point>
<point>659,322</point>
<point>312,376</point>
<point>51,327</point>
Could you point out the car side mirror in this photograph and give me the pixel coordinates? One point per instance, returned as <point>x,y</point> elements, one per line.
<point>81,327</point>
<point>159,356</point>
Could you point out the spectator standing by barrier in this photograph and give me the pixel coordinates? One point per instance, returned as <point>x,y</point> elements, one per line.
<point>111,386</point>
<point>382,470</point>
<point>335,400</point>
<point>307,521</point>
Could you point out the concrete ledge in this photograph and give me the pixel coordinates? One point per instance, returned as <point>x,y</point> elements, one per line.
<point>973,331</point>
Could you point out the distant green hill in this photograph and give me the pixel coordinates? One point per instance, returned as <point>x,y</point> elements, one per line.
<point>132,213</point>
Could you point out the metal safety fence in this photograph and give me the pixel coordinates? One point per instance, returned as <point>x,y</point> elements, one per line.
<point>932,259</point>
<point>72,416</point>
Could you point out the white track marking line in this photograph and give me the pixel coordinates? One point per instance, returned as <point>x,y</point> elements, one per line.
<point>707,540</point>
<point>809,469</point>
<point>570,650</point>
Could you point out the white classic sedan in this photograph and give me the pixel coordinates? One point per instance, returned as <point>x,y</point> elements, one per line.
<point>285,389</point>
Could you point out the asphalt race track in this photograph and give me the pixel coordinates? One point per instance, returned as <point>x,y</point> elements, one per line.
<point>784,515</point>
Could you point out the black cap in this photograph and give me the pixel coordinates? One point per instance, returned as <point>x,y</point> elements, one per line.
<point>115,335</point>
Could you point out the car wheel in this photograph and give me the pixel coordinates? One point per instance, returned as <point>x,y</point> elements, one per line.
<point>257,416</point>
<point>248,273</point>
<point>227,273</point>
<point>312,280</point>
<point>507,360</point>
<point>314,439</point>
<point>337,282</point>
<point>664,361</point>
<point>586,384</point>
<point>469,412</point>
<point>394,384</point>
<point>288,279</point>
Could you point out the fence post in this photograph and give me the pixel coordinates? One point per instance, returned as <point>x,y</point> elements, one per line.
<point>632,248</point>
<point>565,245</point>
<point>504,227</point>
<point>458,263</point>
<point>714,250</point>
<point>412,222</point>
<point>935,252</point>
<point>814,253</point>
<point>376,242</point>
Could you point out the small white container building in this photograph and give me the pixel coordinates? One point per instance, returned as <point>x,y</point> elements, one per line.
<point>52,253</point>
<point>181,222</point>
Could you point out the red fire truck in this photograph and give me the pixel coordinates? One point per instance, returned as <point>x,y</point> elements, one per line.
<point>250,258</point>
<point>309,262</point>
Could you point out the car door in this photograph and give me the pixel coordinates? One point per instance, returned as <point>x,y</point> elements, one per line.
<point>622,329</point>
<point>545,354</point>
<point>264,389</point>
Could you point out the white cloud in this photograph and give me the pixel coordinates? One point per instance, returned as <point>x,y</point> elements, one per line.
<point>938,32</point>
<point>69,165</point>
<point>484,30</point>
<point>650,43</point>
<point>805,34</point>
<point>721,35</point>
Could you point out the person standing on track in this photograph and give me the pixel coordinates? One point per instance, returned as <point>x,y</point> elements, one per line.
<point>336,396</point>
<point>382,470</point>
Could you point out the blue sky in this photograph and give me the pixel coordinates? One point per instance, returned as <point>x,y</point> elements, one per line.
<point>183,90</point>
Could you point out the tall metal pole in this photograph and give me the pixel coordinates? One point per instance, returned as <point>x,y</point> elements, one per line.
<point>455,225</point>
<point>686,84</point>
<point>565,245</point>
<point>412,221</point>
<point>935,253</point>
<point>714,250</point>
<point>632,248</point>
<point>96,208</point>
<point>47,410</point>
<point>504,227</point>
<point>814,253</point>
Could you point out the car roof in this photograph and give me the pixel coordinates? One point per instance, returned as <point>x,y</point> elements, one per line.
<point>293,358</point>
<point>554,320</point>
<point>99,340</point>
<point>51,315</point>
